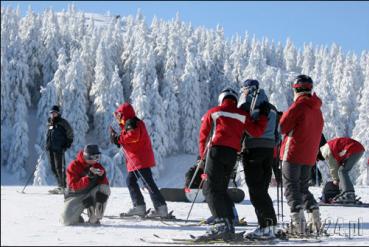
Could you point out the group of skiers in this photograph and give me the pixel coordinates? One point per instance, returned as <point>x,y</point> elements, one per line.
<point>245,126</point>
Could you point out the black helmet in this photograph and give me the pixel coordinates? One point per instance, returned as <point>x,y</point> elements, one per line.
<point>302,83</point>
<point>226,93</point>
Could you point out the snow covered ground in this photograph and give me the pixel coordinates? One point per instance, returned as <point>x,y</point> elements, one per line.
<point>33,219</point>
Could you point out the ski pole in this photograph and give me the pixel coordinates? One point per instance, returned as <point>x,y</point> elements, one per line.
<point>278,199</point>
<point>281,190</point>
<point>29,179</point>
<point>197,193</point>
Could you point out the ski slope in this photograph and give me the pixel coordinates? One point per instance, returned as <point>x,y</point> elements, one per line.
<point>33,218</point>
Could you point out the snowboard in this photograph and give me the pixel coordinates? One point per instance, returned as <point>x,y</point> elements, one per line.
<point>179,195</point>
<point>358,205</point>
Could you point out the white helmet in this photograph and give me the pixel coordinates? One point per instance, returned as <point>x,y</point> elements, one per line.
<point>226,93</point>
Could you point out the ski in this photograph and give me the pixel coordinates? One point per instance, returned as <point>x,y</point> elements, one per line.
<point>358,205</point>
<point>242,223</point>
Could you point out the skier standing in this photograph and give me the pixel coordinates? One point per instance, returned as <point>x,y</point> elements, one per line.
<point>342,154</point>
<point>258,160</point>
<point>87,187</point>
<point>136,145</point>
<point>302,126</point>
<point>225,125</point>
<point>58,139</point>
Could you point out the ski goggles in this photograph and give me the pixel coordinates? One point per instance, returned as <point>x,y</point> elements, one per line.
<point>118,116</point>
<point>95,157</point>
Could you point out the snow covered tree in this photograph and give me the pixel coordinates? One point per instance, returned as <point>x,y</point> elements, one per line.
<point>308,59</point>
<point>189,99</point>
<point>74,103</point>
<point>290,56</point>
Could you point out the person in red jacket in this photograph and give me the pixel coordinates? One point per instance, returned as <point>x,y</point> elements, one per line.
<point>137,149</point>
<point>302,126</point>
<point>87,187</point>
<point>220,136</point>
<point>342,154</point>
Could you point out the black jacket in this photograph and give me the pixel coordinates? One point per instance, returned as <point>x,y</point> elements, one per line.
<point>59,134</point>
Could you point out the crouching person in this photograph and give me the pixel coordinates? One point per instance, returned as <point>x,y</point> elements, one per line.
<point>87,187</point>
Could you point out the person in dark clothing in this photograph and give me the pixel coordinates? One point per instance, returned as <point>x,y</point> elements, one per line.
<point>258,160</point>
<point>59,138</point>
<point>221,130</point>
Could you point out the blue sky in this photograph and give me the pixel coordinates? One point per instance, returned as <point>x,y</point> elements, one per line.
<point>344,22</point>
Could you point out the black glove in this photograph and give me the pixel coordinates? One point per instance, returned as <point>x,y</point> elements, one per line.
<point>92,176</point>
<point>101,197</point>
<point>113,137</point>
<point>131,124</point>
<point>264,108</point>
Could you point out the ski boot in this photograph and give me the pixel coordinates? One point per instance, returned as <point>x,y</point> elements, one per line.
<point>57,190</point>
<point>223,229</point>
<point>298,224</point>
<point>264,233</point>
<point>314,223</point>
<point>92,217</point>
<point>139,210</point>
<point>161,211</point>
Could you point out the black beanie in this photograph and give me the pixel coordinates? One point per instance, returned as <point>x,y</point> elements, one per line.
<point>55,108</point>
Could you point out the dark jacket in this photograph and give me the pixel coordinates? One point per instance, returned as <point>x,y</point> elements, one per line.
<point>59,134</point>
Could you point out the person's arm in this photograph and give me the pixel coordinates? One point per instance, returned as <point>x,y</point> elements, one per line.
<point>79,183</point>
<point>256,128</point>
<point>289,119</point>
<point>68,131</point>
<point>204,134</point>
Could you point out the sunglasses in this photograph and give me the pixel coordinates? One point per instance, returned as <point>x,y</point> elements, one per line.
<point>95,157</point>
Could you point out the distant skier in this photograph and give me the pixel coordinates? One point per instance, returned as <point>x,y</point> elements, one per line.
<point>224,125</point>
<point>342,154</point>
<point>87,187</point>
<point>302,126</point>
<point>59,138</point>
<point>136,145</point>
<point>258,159</point>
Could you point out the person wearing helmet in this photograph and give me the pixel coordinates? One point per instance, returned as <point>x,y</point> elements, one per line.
<point>87,187</point>
<point>220,136</point>
<point>257,159</point>
<point>59,138</point>
<point>302,126</point>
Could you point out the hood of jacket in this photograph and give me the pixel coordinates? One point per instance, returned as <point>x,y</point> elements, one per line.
<point>127,111</point>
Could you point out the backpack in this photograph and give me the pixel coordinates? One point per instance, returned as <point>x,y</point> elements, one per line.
<point>188,177</point>
<point>330,190</point>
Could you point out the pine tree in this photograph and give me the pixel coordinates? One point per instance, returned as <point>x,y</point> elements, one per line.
<point>189,99</point>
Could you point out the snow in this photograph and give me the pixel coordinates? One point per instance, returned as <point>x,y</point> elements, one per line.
<point>33,218</point>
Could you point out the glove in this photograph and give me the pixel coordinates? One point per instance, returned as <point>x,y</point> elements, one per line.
<point>113,136</point>
<point>92,176</point>
<point>264,108</point>
<point>97,171</point>
<point>130,124</point>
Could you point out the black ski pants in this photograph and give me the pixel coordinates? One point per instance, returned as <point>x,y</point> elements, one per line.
<point>146,178</point>
<point>257,163</point>
<point>220,161</point>
<point>296,182</point>
<point>57,163</point>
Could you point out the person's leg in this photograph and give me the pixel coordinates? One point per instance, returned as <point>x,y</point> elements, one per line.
<point>291,182</point>
<point>258,171</point>
<point>307,198</point>
<point>50,156</point>
<point>134,189</point>
<point>99,195</point>
<point>73,208</point>
<point>155,195</point>
<point>219,164</point>
<point>343,173</point>
<point>59,166</point>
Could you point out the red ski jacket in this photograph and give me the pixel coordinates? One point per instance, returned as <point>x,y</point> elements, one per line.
<point>302,125</point>
<point>136,143</point>
<point>227,123</point>
<point>343,147</point>
<point>77,179</point>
